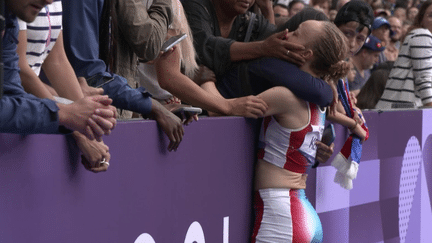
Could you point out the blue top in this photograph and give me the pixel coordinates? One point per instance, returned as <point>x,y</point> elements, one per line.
<point>81,22</point>
<point>21,112</point>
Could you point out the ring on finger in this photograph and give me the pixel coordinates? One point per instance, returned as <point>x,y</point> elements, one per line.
<point>287,52</point>
<point>104,162</point>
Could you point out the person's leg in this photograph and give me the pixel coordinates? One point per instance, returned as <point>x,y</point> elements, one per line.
<point>285,215</point>
<point>273,220</point>
<point>306,223</point>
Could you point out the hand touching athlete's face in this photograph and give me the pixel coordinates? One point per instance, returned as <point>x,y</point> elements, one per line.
<point>27,10</point>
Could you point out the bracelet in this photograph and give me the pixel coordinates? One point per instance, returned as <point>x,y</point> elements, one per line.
<point>355,125</point>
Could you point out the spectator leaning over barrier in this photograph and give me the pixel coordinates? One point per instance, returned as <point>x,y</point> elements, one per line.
<point>166,71</point>
<point>40,46</point>
<point>364,61</point>
<point>82,26</point>
<point>410,81</point>
<point>219,30</point>
<point>24,113</point>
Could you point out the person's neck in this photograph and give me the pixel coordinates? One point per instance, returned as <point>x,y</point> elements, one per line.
<point>307,69</point>
<point>393,42</point>
<point>357,64</point>
<point>225,18</point>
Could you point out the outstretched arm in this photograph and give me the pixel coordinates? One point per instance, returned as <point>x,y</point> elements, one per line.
<point>218,53</point>
<point>60,73</point>
<point>171,79</point>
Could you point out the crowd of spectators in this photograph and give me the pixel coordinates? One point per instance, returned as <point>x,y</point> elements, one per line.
<point>107,53</point>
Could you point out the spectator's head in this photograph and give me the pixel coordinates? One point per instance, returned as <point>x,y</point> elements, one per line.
<point>381,29</point>
<point>369,53</point>
<point>400,12</point>
<point>322,5</point>
<point>355,19</point>
<point>412,13</point>
<point>26,10</point>
<point>295,7</point>
<point>280,10</point>
<point>326,48</point>
<point>382,13</point>
<point>424,17</point>
<point>396,27</point>
<point>340,3</point>
<point>376,4</point>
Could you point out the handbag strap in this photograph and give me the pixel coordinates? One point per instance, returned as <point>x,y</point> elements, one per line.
<point>249,29</point>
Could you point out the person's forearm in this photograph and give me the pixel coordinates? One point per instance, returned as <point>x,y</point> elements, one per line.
<point>342,119</point>
<point>28,115</point>
<point>61,74</point>
<point>33,85</point>
<point>241,51</point>
<point>185,89</point>
<point>266,9</point>
<point>124,97</point>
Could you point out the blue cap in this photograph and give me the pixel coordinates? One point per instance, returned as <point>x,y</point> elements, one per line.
<point>373,43</point>
<point>380,21</point>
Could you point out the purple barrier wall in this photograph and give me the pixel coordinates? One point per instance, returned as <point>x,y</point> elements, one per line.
<point>202,192</point>
<point>47,197</point>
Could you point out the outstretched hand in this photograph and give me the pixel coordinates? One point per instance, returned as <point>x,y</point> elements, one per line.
<point>249,106</point>
<point>169,123</point>
<point>95,155</point>
<point>87,90</point>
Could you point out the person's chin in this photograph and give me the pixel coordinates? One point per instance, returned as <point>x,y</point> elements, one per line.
<point>27,19</point>
<point>28,16</point>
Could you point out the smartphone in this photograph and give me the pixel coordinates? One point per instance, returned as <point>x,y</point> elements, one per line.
<point>328,137</point>
<point>172,42</point>
<point>187,111</point>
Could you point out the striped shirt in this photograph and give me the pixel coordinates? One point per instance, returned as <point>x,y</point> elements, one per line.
<point>410,80</point>
<point>42,34</point>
